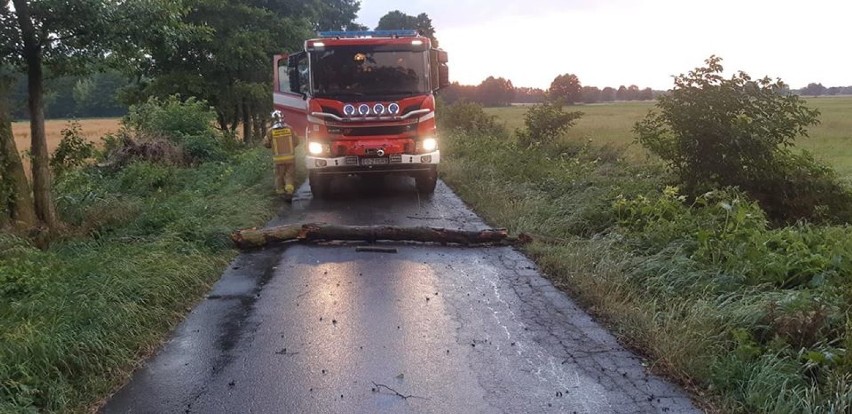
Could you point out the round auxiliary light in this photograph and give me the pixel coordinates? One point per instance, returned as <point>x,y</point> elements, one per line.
<point>349,109</point>
<point>363,109</point>
<point>378,109</point>
<point>393,108</point>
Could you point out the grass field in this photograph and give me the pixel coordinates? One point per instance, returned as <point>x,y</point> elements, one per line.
<point>830,141</point>
<point>93,129</point>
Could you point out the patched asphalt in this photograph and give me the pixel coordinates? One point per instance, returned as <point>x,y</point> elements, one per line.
<point>430,328</point>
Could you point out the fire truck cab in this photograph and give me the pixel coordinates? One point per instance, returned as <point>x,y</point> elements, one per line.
<point>364,104</point>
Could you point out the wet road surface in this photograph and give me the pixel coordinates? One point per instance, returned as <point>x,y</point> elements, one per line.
<point>429,329</point>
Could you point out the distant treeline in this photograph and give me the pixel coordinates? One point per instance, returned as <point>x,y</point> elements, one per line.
<point>500,92</point>
<point>816,89</point>
<point>90,96</point>
<point>98,95</point>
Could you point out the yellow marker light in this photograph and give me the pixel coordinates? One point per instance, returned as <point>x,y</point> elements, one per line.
<point>429,144</point>
<point>315,148</point>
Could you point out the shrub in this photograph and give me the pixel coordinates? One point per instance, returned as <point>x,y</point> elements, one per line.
<point>714,132</point>
<point>188,124</point>
<point>544,124</point>
<point>73,151</point>
<point>470,117</point>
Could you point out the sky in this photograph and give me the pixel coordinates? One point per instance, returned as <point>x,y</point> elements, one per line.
<point>641,42</point>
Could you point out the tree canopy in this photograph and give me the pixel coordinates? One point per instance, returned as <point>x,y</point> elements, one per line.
<point>396,20</point>
<point>566,89</point>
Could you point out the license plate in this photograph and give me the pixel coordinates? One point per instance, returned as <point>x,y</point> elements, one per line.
<point>374,161</point>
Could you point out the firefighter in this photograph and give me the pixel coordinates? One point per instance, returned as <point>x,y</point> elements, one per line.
<point>280,138</point>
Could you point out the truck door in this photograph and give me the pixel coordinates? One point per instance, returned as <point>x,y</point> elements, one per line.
<point>292,90</point>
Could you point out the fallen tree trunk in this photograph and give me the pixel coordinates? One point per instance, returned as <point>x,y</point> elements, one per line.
<point>312,232</point>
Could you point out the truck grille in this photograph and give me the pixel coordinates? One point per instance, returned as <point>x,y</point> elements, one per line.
<point>377,130</point>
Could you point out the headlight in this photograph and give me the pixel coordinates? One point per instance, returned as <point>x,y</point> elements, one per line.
<point>315,148</point>
<point>363,109</point>
<point>349,109</point>
<point>378,109</point>
<point>429,144</point>
<point>393,108</point>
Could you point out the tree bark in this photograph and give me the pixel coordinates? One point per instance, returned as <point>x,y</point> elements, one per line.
<point>313,232</point>
<point>247,129</point>
<point>42,198</point>
<point>20,201</point>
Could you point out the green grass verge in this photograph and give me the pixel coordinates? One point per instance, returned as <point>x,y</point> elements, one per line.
<point>142,246</point>
<point>751,319</point>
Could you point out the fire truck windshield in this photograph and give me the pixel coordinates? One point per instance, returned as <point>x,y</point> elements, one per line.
<point>354,72</point>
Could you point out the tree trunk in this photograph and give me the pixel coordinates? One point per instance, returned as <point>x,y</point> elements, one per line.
<point>43,200</point>
<point>246,123</point>
<point>20,200</point>
<point>312,232</point>
<point>259,128</point>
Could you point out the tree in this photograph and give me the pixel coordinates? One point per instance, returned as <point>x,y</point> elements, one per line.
<point>15,192</point>
<point>545,124</point>
<point>495,92</point>
<point>230,68</point>
<point>632,93</point>
<point>529,95</point>
<point>814,89</point>
<point>712,132</point>
<point>66,37</point>
<point>621,93</point>
<point>397,20</point>
<point>608,94</point>
<point>591,94</point>
<point>566,89</point>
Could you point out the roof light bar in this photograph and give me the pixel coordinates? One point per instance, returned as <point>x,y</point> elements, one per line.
<point>369,33</point>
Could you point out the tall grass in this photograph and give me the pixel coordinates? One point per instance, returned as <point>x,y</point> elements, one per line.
<point>750,318</point>
<point>142,244</point>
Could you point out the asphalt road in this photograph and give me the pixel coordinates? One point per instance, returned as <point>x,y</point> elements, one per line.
<point>429,329</point>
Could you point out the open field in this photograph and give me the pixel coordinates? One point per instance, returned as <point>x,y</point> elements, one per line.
<point>93,129</point>
<point>830,141</point>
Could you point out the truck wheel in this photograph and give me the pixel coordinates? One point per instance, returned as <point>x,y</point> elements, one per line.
<point>426,181</point>
<point>320,185</point>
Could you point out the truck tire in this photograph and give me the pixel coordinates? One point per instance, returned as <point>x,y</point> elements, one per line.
<point>320,185</point>
<point>426,181</point>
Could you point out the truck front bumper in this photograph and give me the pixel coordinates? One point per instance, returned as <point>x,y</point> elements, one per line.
<point>398,163</point>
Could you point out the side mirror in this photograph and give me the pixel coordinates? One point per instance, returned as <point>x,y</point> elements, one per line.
<point>442,56</point>
<point>440,71</point>
<point>443,76</point>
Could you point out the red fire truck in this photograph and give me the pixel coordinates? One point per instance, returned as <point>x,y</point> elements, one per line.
<point>364,104</point>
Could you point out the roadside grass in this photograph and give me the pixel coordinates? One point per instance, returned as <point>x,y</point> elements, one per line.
<point>748,317</point>
<point>141,246</point>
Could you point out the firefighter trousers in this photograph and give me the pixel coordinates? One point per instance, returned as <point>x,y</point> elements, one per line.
<point>285,177</point>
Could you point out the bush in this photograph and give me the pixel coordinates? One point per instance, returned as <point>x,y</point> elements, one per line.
<point>545,124</point>
<point>73,151</point>
<point>469,117</point>
<point>188,124</point>
<point>714,132</point>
